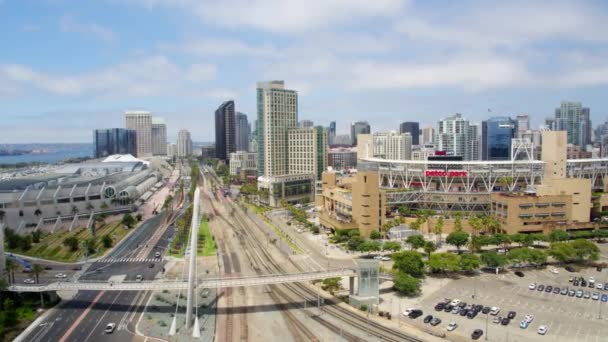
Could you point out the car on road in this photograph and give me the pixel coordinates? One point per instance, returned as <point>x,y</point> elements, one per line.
<point>157,254</point>
<point>415,314</point>
<point>378,257</point>
<point>29,281</point>
<point>385,258</point>
<point>519,274</point>
<point>61,275</point>
<point>554,271</point>
<point>476,334</point>
<point>570,269</point>
<point>505,321</point>
<point>540,287</point>
<point>428,319</point>
<point>532,286</point>
<point>595,296</point>
<point>435,321</point>
<point>542,330</point>
<point>494,311</point>
<point>524,324</point>
<point>452,326</point>
<point>48,268</point>
<point>77,268</point>
<point>511,314</point>
<point>110,328</point>
<point>139,277</point>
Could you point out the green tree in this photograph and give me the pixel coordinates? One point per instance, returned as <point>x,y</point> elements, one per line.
<point>438,228</point>
<point>476,223</point>
<point>71,243</point>
<point>406,284</point>
<point>491,224</point>
<point>409,262</point>
<point>585,250</point>
<point>469,262</point>
<point>25,243</point>
<point>536,257</point>
<point>416,224</point>
<point>415,241</point>
<point>429,247</point>
<point>562,252</point>
<point>522,239</point>
<point>331,284</point>
<point>139,217</point>
<point>444,262</point>
<point>502,240</point>
<point>518,255</point>
<point>107,241</point>
<point>36,235</point>
<point>493,259</point>
<point>354,242</point>
<point>477,242</point>
<point>457,239</point>
<point>370,246</point>
<point>375,235</point>
<point>10,313</point>
<point>128,220</point>
<point>392,246</point>
<point>37,269</point>
<point>89,245</point>
<point>558,235</point>
<point>458,223</point>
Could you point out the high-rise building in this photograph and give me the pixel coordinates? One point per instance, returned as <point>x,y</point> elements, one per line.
<point>392,145</point>
<point>356,128</point>
<point>242,131</point>
<point>474,142</point>
<point>141,122</point>
<point>413,128</point>
<point>277,113</point>
<point>428,135</point>
<point>331,133</point>
<point>573,118</point>
<point>184,143</point>
<point>306,124</point>
<point>225,130</point>
<point>114,141</point>
<point>171,150</point>
<point>159,137</point>
<point>496,136</point>
<point>306,151</point>
<point>523,124</point>
<point>342,158</point>
<point>457,137</point>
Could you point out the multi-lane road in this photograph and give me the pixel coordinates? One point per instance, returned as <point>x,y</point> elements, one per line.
<point>85,316</point>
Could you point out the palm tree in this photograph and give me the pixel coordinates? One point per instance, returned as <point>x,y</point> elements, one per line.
<point>11,266</point>
<point>37,269</point>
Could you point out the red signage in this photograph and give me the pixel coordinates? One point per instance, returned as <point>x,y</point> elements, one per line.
<point>449,173</point>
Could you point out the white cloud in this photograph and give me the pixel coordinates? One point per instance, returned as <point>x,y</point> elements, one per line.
<point>154,75</point>
<point>222,47</point>
<point>283,16</point>
<point>68,23</point>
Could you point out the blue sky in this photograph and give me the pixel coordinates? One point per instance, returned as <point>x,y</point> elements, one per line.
<point>69,66</point>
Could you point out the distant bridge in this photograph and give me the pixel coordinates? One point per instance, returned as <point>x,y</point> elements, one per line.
<point>183,284</point>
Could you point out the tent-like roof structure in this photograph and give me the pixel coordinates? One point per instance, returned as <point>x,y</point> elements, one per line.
<point>123,158</point>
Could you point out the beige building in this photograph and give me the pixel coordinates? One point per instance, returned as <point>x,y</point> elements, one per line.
<point>141,122</point>
<point>184,143</point>
<point>242,164</point>
<point>306,151</point>
<point>352,202</point>
<point>159,137</point>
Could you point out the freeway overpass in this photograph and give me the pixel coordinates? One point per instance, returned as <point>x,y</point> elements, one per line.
<point>183,284</point>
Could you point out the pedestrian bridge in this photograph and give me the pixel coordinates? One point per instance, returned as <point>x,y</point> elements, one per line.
<point>183,284</point>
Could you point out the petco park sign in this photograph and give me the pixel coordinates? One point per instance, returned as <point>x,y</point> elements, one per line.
<point>449,173</point>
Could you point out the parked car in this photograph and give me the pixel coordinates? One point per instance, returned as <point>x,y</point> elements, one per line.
<point>524,324</point>
<point>439,306</point>
<point>455,310</point>
<point>595,296</point>
<point>139,277</point>
<point>532,286</point>
<point>511,314</point>
<point>529,318</point>
<point>494,311</point>
<point>407,311</point>
<point>554,271</point>
<point>556,290</point>
<point>571,293</point>
<point>462,305</point>
<point>579,293</point>
<point>48,268</point>
<point>564,291</point>
<point>110,328</point>
<point>477,333</point>
<point>505,321</point>
<point>435,321</point>
<point>606,287</point>
<point>587,295</point>
<point>604,298</point>
<point>497,320</point>
<point>599,286</point>
<point>570,269</point>
<point>29,281</point>
<point>471,314</point>
<point>415,314</point>
<point>452,326</point>
<point>464,312</point>
<point>549,288</point>
<point>542,330</point>
<point>486,310</point>
<point>448,308</point>
<point>428,319</point>
<point>540,287</point>
<point>455,302</point>
<point>519,274</point>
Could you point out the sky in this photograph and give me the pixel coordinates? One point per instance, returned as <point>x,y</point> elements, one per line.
<point>69,66</point>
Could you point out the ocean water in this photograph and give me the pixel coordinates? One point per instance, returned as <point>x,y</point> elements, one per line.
<point>55,153</point>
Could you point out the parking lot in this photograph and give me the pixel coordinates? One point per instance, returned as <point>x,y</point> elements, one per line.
<point>567,318</point>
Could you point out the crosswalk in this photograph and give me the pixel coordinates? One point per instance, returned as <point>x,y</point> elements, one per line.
<point>115,260</point>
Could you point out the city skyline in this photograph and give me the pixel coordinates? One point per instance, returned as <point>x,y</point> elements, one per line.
<point>354,73</point>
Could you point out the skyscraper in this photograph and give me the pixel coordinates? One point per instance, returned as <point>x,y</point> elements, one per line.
<point>356,128</point>
<point>496,136</point>
<point>331,133</point>
<point>392,145</point>
<point>573,118</point>
<point>184,143</point>
<point>428,135</point>
<point>277,112</point>
<point>114,141</point>
<point>225,130</point>
<point>457,137</point>
<point>523,124</point>
<point>242,132</point>
<point>159,137</point>
<point>413,128</point>
<point>307,149</point>
<point>141,122</point>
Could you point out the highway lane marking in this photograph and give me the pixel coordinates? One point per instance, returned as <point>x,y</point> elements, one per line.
<point>102,316</point>
<point>81,317</point>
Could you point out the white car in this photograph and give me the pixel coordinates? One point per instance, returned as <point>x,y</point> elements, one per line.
<point>599,286</point>
<point>29,281</point>
<point>378,257</point>
<point>494,311</point>
<point>157,254</point>
<point>110,328</point>
<point>455,302</point>
<point>60,275</point>
<point>532,286</point>
<point>452,326</point>
<point>385,258</point>
<point>591,279</point>
<point>554,271</point>
<point>529,318</point>
<point>408,311</point>
<point>139,277</point>
<point>542,330</point>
